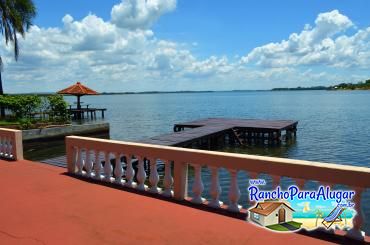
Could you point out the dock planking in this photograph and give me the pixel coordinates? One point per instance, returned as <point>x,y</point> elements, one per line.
<point>210,133</point>
<point>243,131</point>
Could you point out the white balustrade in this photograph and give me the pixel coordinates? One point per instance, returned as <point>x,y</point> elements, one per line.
<point>118,170</point>
<point>168,180</point>
<point>11,147</point>
<point>234,192</point>
<point>154,176</point>
<point>108,169</point>
<point>130,172</point>
<point>215,188</point>
<point>141,175</point>
<point>198,186</point>
<point>175,180</point>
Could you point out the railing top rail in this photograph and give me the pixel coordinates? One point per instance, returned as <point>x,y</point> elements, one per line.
<point>301,169</point>
<point>9,130</point>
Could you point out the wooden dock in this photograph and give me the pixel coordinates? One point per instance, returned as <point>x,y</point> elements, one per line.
<point>212,133</point>
<point>87,112</point>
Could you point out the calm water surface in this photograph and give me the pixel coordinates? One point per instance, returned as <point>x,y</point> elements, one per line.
<point>334,126</point>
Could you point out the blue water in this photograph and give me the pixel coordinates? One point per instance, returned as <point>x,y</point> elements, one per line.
<point>334,126</point>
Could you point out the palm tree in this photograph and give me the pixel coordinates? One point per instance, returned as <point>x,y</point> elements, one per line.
<point>16,18</point>
<point>319,214</point>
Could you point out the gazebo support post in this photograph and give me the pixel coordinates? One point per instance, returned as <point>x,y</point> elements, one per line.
<point>78,106</point>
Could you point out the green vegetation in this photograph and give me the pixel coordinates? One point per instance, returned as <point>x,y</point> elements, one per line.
<point>295,224</point>
<point>32,111</point>
<point>342,86</point>
<point>301,88</point>
<point>352,86</point>
<point>279,227</point>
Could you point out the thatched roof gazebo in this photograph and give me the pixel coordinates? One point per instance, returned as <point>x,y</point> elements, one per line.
<point>78,90</point>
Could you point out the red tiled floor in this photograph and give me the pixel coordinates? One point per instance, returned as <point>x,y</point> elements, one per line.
<point>40,205</point>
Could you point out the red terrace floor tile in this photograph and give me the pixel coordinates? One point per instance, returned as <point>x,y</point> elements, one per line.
<point>41,205</point>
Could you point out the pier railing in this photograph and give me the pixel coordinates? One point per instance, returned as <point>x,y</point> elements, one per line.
<point>86,155</point>
<point>11,146</point>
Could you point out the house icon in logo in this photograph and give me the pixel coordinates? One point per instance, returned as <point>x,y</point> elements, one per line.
<point>271,212</point>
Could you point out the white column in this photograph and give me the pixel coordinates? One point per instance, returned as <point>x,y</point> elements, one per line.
<point>234,192</point>
<point>355,232</point>
<point>118,170</point>
<point>154,177</point>
<point>215,188</point>
<point>130,172</point>
<point>80,162</point>
<point>141,175</point>
<point>88,163</point>
<point>168,180</point>
<point>97,166</point>
<point>107,168</point>
<point>198,186</point>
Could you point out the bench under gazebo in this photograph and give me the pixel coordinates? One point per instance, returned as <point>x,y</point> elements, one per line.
<point>79,112</point>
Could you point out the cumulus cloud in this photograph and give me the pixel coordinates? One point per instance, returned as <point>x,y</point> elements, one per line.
<point>140,14</point>
<point>324,44</point>
<point>124,54</point>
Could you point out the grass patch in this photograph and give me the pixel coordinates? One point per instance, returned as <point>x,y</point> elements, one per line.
<point>295,224</point>
<point>277,227</point>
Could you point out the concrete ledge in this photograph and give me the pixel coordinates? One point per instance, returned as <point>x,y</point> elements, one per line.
<point>61,132</point>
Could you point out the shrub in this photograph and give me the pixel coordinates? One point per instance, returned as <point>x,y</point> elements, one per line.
<point>58,106</point>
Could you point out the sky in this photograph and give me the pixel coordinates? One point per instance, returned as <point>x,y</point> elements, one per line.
<point>168,45</point>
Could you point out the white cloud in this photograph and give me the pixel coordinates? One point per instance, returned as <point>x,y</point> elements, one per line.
<point>324,44</point>
<point>124,54</point>
<point>140,14</point>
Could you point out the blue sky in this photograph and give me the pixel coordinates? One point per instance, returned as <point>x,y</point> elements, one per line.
<point>138,45</point>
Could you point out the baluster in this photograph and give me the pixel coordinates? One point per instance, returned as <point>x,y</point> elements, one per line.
<point>198,186</point>
<point>215,188</point>
<point>11,155</point>
<point>168,180</point>
<point>118,170</point>
<point>234,192</point>
<point>97,166</point>
<point>74,159</point>
<point>130,172</point>
<point>355,232</point>
<point>1,146</point>
<point>88,163</point>
<point>80,162</point>
<point>6,147</point>
<point>108,169</point>
<point>141,175</point>
<point>154,177</point>
<point>252,175</point>
<point>300,183</point>
<point>275,181</point>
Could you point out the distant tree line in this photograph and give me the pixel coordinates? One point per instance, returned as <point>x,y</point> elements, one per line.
<point>342,86</point>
